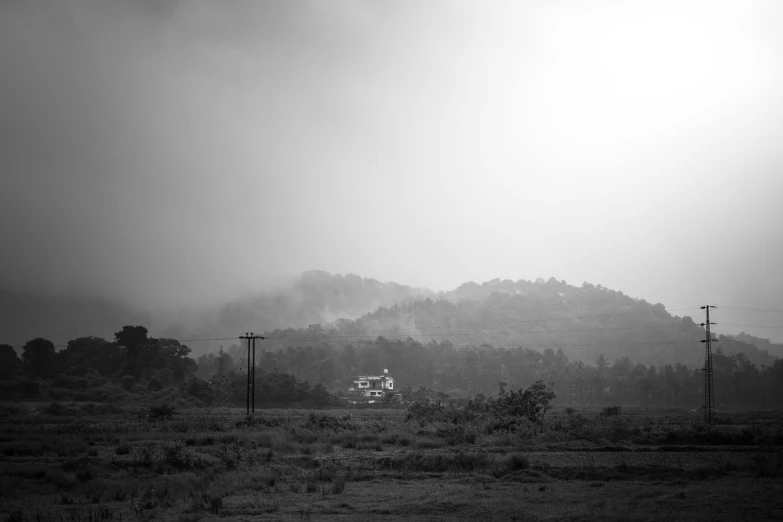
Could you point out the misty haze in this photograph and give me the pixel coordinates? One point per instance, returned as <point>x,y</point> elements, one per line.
<point>415,260</point>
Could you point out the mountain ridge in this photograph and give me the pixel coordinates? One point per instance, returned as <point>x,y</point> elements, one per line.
<point>584,321</point>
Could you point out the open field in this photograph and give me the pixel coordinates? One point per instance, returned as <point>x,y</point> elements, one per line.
<point>97,462</point>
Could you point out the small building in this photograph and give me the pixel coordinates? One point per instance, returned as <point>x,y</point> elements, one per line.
<point>372,386</point>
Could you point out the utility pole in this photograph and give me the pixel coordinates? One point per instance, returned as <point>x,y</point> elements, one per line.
<point>251,370</point>
<point>253,380</point>
<point>709,385</point>
<point>221,382</point>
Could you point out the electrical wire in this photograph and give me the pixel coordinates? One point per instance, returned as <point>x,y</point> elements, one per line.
<point>672,341</point>
<point>342,337</point>
<point>490,333</point>
<point>526,345</point>
<point>753,325</point>
<point>750,309</point>
<point>419,328</point>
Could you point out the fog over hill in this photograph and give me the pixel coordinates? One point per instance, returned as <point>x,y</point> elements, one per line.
<point>314,297</point>
<point>584,321</point>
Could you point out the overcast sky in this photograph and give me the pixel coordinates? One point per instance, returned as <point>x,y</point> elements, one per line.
<point>180,152</point>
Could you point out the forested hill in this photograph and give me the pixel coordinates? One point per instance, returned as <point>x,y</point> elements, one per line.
<point>584,322</point>
<point>775,349</point>
<point>315,297</point>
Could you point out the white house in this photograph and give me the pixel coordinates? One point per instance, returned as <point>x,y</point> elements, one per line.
<point>372,385</point>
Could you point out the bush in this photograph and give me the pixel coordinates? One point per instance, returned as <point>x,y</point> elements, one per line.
<point>767,466</point>
<point>176,455</point>
<point>328,423</point>
<point>63,481</point>
<point>144,454</point>
<point>28,388</point>
<point>180,426</point>
<point>338,484</point>
<point>161,412</point>
<point>456,434</point>
<point>510,463</point>
<point>528,405</point>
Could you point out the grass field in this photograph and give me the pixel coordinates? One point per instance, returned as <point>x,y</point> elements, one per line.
<point>74,462</point>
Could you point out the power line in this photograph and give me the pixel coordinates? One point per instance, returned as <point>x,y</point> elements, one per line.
<point>489,333</point>
<point>241,353</point>
<point>355,339</point>
<point>398,330</point>
<point>212,339</point>
<point>183,341</point>
<point>419,328</point>
<point>526,345</point>
<point>751,309</point>
<point>670,343</point>
<point>752,325</point>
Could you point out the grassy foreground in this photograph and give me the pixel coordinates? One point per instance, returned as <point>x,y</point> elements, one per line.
<point>77,462</point>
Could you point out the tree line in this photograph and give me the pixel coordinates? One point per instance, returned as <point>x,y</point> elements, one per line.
<point>463,372</point>
<point>136,365</point>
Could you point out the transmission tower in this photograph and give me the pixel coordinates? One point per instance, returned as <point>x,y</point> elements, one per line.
<point>221,382</point>
<point>709,384</point>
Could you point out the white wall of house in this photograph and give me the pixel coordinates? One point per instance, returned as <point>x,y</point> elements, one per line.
<point>373,386</point>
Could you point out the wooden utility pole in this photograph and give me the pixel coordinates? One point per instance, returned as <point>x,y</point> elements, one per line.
<point>253,380</point>
<point>251,370</point>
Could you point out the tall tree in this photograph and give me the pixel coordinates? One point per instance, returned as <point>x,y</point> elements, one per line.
<point>135,341</point>
<point>39,358</point>
<point>10,363</point>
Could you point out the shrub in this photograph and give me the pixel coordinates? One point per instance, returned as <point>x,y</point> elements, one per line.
<point>328,423</point>
<point>766,465</point>
<point>511,462</point>
<point>456,434</point>
<point>180,426</point>
<point>263,480</point>
<point>338,484</point>
<point>28,388</point>
<point>611,411</point>
<point>144,454</point>
<point>526,406</point>
<point>176,455</point>
<point>11,410</point>
<point>63,481</point>
<point>428,444</point>
<point>123,448</point>
<point>161,412</point>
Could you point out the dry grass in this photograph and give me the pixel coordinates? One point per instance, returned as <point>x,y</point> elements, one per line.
<point>202,465</point>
